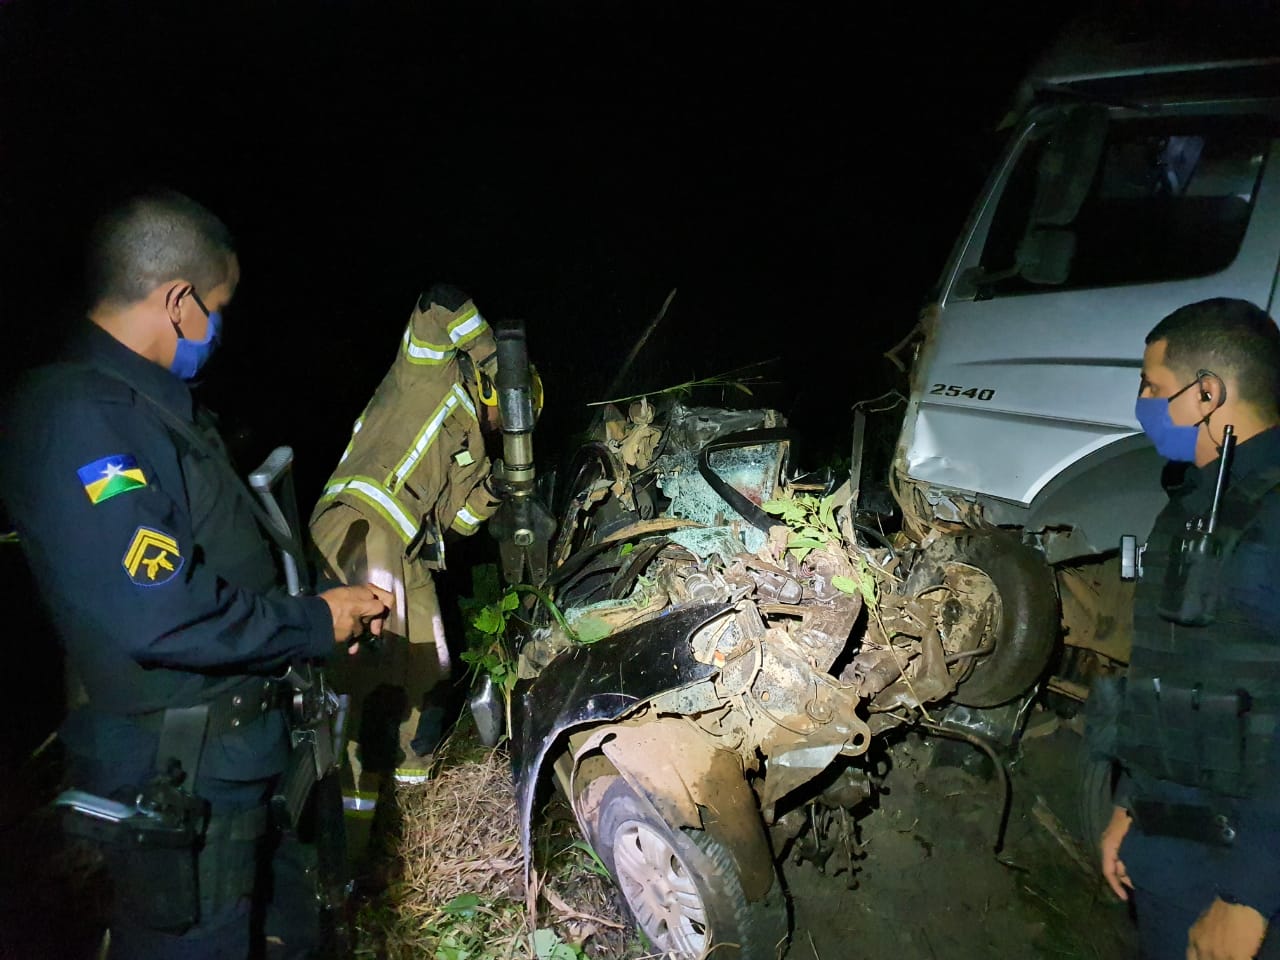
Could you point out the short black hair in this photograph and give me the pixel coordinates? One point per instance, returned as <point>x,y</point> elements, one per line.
<point>1228,337</point>
<point>152,238</point>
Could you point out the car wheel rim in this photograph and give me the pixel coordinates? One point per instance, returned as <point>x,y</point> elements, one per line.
<point>660,890</point>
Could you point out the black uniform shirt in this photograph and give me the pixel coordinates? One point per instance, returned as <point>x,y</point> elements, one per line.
<point>1250,870</point>
<point>157,577</point>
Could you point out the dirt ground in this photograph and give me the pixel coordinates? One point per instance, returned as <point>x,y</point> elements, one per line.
<point>927,884</point>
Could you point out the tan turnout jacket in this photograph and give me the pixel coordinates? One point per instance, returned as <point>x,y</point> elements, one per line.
<point>416,462</point>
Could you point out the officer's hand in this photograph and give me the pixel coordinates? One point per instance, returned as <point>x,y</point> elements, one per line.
<point>1113,870</point>
<point>1226,931</point>
<point>355,607</point>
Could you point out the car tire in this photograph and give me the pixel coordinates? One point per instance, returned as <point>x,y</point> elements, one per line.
<point>1028,622</point>
<point>681,886</point>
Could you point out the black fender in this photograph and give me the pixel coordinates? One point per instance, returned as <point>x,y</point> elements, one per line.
<point>600,682</point>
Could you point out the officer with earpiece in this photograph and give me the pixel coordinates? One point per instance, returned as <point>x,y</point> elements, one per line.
<point>1195,833</point>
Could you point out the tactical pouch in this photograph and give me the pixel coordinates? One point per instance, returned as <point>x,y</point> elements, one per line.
<point>1184,821</point>
<point>1203,735</point>
<point>1192,579</point>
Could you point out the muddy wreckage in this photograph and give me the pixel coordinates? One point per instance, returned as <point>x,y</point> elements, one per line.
<point>748,659</point>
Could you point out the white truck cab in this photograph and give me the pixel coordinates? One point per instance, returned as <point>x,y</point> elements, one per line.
<point>1140,175</point>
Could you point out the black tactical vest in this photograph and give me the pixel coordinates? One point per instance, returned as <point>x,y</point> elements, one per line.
<point>1201,703</point>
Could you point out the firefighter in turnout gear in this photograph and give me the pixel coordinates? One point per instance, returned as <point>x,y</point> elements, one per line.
<point>414,470</point>
<point>159,576</point>
<point>1195,832</point>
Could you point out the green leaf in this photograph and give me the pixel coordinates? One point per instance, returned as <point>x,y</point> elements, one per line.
<point>804,543</point>
<point>626,549</point>
<point>827,513</point>
<point>545,942</point>
<point>485,584</point>
<point>489,620</point>
<point>510,601</point>
<point>463,905</point>
<point>846,585</point>
<point>451,951</point>
<point>776,507</point>
<point>590,629</point>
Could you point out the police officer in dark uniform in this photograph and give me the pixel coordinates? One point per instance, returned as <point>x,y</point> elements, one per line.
<point>1196,829</point>
<point>163,588</point>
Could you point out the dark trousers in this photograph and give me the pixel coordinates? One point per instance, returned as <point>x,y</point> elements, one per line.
<point>280,921</point>
<point>1175,882</point>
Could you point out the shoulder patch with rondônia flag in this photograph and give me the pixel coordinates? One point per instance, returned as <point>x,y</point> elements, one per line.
<point>152,558</point>
<point>110,477</point>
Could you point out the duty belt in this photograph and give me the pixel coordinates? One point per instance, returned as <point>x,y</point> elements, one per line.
<point>235,707</point>
<point>1184,821</point>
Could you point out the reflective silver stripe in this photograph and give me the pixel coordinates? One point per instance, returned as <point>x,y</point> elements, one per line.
<point>467,520</point>
<point>360,803</point>
<point>381,499</point>
<point>466,327</point>
<point>426,436</point>
<point>419,351</point>
<point>352,442</point>
<point>465,400</point>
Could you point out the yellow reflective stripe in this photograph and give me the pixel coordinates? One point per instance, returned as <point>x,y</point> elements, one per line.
<point>378,497</point>
<point>466,521</point>
<point>467,327</point>
<point>420,351</point>
<point>427,436</point>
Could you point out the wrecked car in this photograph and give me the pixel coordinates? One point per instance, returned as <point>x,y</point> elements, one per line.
<point>755,637</point>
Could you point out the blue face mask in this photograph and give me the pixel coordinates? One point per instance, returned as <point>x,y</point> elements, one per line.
<point>191,355</point>
<point>1173,442</point>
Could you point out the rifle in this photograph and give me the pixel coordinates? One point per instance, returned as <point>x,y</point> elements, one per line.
<point>317,732</point>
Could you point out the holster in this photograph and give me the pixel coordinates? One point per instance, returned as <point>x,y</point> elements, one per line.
<point>151,855</point>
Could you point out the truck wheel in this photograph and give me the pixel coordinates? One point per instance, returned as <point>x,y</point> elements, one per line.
<point>1003,598</point>
<point>1096,801</point>
<point>681,886</point>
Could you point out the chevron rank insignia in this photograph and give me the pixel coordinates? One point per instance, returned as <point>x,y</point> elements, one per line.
<point>105,478</point>
<point>152,558</point>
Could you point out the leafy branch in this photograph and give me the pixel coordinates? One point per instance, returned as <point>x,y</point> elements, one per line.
<point>487,613</point>
<point>811,519</point>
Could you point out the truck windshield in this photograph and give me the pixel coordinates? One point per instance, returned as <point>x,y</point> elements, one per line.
<point>1171,199</point>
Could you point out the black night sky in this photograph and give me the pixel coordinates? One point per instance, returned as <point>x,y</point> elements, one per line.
<point>798,171</point>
